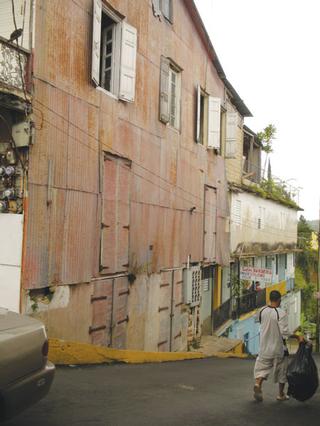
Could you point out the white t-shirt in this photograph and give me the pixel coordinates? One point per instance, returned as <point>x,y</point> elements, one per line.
<point>274,328</point>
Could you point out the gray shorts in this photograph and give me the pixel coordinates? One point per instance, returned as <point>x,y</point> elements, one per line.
<point>264,366</point>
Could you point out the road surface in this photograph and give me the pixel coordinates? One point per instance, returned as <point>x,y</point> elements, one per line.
<point>199,392</point>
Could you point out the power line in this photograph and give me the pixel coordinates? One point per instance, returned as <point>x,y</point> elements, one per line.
<point>219,209</point>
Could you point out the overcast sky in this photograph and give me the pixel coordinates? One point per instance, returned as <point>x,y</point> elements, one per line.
<point>269,50</point>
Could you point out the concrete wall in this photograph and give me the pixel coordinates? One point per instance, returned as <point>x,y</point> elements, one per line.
<point>247,327</point>
<point>274,232</point>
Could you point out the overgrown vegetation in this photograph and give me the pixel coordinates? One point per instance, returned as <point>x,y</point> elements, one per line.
<point>269,188</point>
<point>306,274</point>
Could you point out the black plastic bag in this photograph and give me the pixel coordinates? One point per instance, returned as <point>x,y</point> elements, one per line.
<point>303,374</point>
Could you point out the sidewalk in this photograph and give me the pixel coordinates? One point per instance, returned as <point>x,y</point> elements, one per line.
<point>221,347</point>
<point>75,353</point>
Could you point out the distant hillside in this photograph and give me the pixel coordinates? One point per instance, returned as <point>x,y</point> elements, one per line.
<point>314,224</point>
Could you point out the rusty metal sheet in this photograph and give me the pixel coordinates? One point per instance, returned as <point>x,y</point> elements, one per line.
<point>223,214</point>
<point>139,240</point>
<point>210,219</point>
<point>110,312</point>
<point>79,231</point>
<point>115,215</point>
<point>36,259</point>
<point>83,161</point>
<point>170,309</point>
<point>50,111</point>
<point>56,218</point>
<point>101,301</point>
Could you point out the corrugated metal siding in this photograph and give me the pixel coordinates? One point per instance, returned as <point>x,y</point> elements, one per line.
<point>35,272</point>
<point>60,237</point>
<point>79,231</point>
<point>210,219</point>
<point>115,215</point>
<point>75,121</point>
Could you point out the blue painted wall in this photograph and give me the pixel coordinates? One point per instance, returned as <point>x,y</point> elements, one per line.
<point>249,331</point>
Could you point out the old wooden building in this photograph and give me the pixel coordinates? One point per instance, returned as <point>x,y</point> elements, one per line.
<point>119,118</point>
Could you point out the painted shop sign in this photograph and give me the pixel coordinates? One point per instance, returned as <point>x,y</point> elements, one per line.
<point>251,273</point>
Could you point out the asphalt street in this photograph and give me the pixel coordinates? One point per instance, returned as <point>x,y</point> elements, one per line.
<point>199,392</point>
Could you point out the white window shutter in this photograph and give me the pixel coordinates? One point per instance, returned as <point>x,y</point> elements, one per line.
<point>166,7</point>
<point>198,112</point>
<point>96,41</point>
<point>231,134</point>
<point>128,63</point>
<point>156,8</point>
<point>164,90</point>
<point>214,110</point>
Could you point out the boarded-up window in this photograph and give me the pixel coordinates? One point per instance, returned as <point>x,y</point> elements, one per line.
<point>210,220</point>
<point>115,214</point>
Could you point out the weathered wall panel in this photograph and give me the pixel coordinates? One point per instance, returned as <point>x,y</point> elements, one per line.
<point>79,231</point>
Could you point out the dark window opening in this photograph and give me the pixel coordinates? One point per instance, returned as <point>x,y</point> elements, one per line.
<point>202,105</point>
<point>107,52</point>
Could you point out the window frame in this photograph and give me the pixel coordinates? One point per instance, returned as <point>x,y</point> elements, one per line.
<point>223,115</point>
<point>116,49</point>
<point>202,116</point>
<point>123,65</point>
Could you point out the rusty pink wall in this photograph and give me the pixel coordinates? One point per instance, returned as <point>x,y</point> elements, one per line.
<point>75,122</point>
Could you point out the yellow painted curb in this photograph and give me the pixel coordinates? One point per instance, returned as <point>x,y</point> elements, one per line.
<point>65,352</point>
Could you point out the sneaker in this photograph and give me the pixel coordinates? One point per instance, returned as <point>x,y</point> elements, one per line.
<point>257,393</point>
<point>283,398</point>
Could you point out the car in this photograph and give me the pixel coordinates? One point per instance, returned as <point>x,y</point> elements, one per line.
<point>26,374</point>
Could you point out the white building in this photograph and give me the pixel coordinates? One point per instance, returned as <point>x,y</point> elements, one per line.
<point>263,237</point>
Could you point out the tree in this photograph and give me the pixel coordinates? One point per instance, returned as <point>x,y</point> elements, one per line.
<point>306,266</point>
<point>266,137</point>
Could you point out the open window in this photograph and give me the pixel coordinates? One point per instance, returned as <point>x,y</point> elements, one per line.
<point>114,50</point>
<point>251,156</point>
<point>170,93</point>
<point>208,120</point>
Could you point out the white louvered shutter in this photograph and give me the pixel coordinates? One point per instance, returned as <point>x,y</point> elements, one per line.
<point>214,122</point>
<point>96,41</point>
<point>231,134</point>
<point>166,7</point>
<point>198,112</point>
<point>164,90</point>
<point>128,62</point>
<point>156,8</point>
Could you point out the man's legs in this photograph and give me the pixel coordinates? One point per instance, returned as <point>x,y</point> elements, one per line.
<point>281,377</point>
<point>262,370</point>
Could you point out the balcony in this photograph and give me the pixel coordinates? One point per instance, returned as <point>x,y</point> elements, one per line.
<point>14,69</point>
<point>234,308</point>
<point>251,301</point>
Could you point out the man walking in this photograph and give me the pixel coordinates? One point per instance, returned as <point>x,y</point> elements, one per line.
<point>273,354</point>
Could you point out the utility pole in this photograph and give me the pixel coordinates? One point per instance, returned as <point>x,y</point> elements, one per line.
<point>318,289</point>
